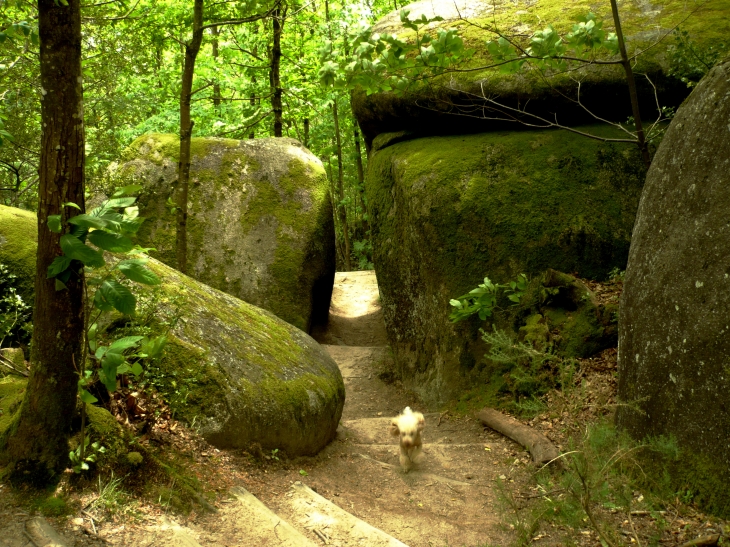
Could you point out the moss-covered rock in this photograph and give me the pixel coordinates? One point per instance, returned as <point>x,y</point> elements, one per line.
<point>237,373</point>
<point>674,343</point>
<point>240,374</point>
<point>448,211</point>
<point>429,108</point>
<point>18,241</point>
<point>260,223</point>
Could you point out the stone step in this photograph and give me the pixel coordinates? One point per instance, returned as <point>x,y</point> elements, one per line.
<point>329,522</point>
<point>255,525</point>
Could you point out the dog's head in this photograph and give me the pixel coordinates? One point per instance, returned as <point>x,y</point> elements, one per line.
<point>408,426</point>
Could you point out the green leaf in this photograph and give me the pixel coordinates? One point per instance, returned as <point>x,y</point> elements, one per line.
<point>54,223</point>
<point>137,369</point>
<point>125,343</point>
<point>87,397</point>
<point>152,347</point>
<point>114,243</point>
<point>59,264</point>
<point>129,190</point>
<point>71,204</point>
<point>119,202</point>
<point>118,296</point>
<point>91,336</point>
<point>88,221</point>
<point>100,303</point>
<point>135,271</point>
<point>75,249</point>
<point>109,366</point>
<point>59,285</point>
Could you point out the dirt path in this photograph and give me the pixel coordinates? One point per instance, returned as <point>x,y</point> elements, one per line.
<point>449,500</point>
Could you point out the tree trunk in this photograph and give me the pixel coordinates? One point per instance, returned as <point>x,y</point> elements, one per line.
<point>340,189</point>
<point>632,86</point>
<point>37,444</point>
<point>276,105</point>
<point>186,131</point>
<point>216,86</point>
<point>306,132</point>
<point>360,175</point>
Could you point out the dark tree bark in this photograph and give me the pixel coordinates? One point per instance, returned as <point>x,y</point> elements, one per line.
<point>186,133</point>
<point>306,132</point>
<point>36,445</point>
<point>360,172</point>
<point>626,63</point>
<point>342,211</point>
<point>216,86</point>
<point>276,104</point>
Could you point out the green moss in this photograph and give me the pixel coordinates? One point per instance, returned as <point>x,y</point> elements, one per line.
<point>134,459</point>
<point>12,390</point>
<point>501,204</point>
<point>104,428</point>
<point>52,506</point>
<point>18,240</point>
<point>270,194</point>
<point>642,25</point>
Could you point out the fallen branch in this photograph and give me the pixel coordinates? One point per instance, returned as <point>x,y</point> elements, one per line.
<point>541,449</point>
<point>704,541</point>
<point>4,361</point>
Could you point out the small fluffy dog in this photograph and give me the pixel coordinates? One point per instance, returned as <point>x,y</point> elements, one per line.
<point>408,426</point>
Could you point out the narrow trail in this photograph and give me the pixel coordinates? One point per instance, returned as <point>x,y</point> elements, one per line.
<point>449,500</point>
<point>353,493</point>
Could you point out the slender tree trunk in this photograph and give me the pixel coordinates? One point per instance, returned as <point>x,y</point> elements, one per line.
<point>306,132</point>
<point>632,86</point>
<point>36,446</point>
<point>276,105</point>
<point>360,175</point>
<point>186,132</point>
<point>340,189</point>
<point>216,86</point>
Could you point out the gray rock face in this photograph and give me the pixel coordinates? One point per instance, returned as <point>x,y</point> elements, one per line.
<point>260,223</point>
<point>237,372</point>
<point>674,322</point>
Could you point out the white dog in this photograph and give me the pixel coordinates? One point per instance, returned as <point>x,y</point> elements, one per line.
<point>408,425</point>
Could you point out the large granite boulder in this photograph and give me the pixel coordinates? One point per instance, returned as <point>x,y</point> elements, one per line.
<point>260,223</point>
<point>238,373</point>
<point>448,211</point>
<point>429,107</point>
<point>674,336</point>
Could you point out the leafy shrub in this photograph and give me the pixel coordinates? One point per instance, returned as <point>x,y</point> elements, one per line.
<point>15,314</point>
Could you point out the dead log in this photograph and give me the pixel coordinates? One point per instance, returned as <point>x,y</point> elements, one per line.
<point>541,449</point>
<point>704,541</point>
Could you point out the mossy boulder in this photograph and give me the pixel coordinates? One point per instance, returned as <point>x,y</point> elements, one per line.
<point>18,242</point>
<point>674,343</point>
<point>237,373</point>
<point>448,211</point>
<point>430,107</point>
<point>260,223</point>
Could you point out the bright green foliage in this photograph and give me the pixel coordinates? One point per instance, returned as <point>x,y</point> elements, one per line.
<point>107,228</point>
<point>383,62</point>
<point>15,326</point>
<point>85,454</point>
<point>483,299</point>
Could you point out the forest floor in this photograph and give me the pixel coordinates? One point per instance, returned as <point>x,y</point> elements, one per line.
<point>474,487</point>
